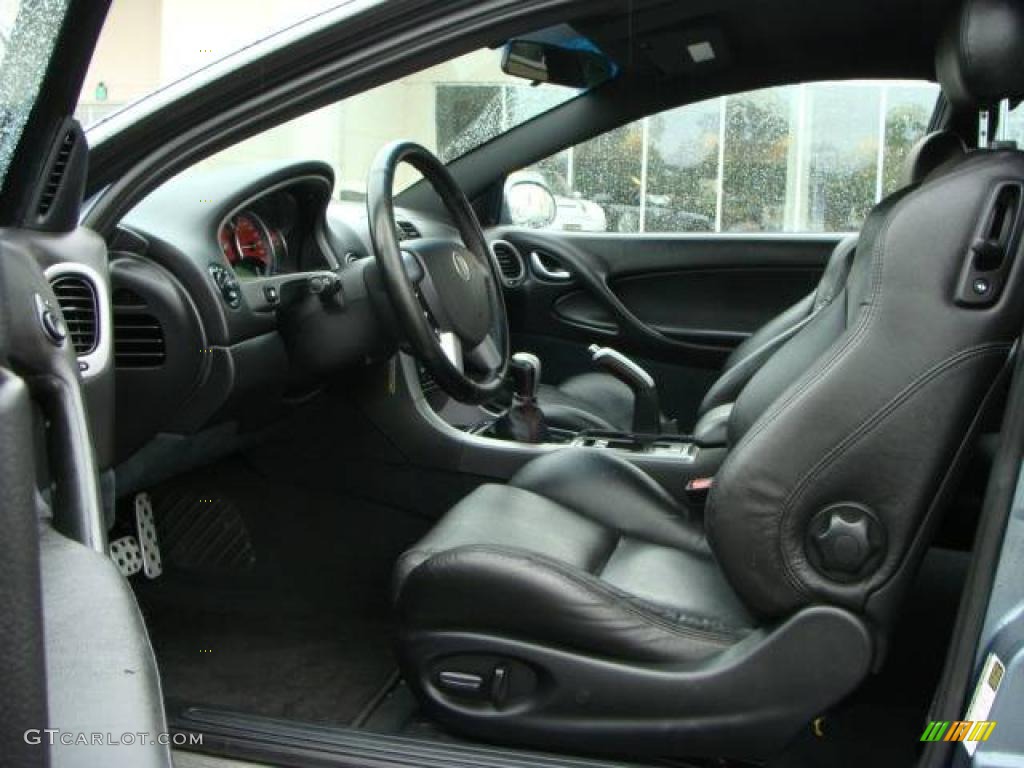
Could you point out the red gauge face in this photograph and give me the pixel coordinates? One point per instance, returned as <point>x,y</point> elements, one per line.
<point>227,244</point>
<point>253,242</point>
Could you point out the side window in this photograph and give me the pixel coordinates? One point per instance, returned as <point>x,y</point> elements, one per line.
<point>803,158</point>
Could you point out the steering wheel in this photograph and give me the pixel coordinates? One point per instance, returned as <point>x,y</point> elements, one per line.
<point>445,293</point>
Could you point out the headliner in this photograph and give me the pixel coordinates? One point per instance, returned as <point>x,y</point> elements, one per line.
<point>776,40</point>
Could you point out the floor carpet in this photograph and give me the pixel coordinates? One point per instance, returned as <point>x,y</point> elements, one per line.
<point>275,598</point>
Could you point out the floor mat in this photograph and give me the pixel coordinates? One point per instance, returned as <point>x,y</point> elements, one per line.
<point>294,667</point>
<point>298,627</point>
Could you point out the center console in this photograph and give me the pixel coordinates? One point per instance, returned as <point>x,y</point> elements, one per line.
<point>483,440</point>
<point>681,447</point>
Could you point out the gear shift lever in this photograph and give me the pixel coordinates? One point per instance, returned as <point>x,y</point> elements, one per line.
<point>524,420</point>
<point>646,411</point>
<point>524,368</point>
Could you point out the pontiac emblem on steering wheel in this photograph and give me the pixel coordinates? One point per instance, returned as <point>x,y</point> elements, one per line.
<point>461,265</point>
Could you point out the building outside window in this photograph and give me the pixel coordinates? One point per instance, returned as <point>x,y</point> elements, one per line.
<point>801,158</point>
<point>804,158</point>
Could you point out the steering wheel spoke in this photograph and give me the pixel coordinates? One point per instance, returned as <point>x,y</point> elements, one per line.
<point>485,357</point>
<point>451,345</point>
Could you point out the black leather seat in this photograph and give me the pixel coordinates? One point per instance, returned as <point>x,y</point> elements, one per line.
<point>580,607</point>
<point>631,577</point>
<point>598,400</point>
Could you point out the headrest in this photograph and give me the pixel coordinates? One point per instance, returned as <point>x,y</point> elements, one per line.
<point>978,58</point>
<point>929,153</point>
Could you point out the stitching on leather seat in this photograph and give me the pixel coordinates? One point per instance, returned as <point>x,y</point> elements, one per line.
<point>840,351</point>
<point>865,428</point>
<point>720,633</point>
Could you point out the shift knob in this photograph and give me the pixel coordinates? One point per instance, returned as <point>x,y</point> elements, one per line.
<point>524,369</point>
<point>524,420</point>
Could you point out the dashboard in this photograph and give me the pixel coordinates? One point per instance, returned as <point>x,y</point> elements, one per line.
<point>276,233</point>
<point>238,291</point>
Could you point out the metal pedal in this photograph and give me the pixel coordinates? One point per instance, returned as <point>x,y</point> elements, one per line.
<point>126,556</point>
<point>152,565</point>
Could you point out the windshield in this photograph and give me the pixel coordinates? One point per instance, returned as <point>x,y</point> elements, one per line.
<point>28,32</point>
<point>450,109</point>
<point>146,45</point>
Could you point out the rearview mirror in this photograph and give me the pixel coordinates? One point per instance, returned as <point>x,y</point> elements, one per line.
<point>530,205</point>
<point>548,63</point>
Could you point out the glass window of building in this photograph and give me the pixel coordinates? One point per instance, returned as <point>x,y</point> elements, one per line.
<point>808,158</point>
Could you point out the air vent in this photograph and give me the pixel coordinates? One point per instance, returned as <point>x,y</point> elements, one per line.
<point>138,335</point>
<point>407,230</point>
<point>56,177</point>
<point>510,262</point>
<point>77,299</point>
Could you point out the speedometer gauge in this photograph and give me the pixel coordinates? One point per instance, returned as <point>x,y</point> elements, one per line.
<point>249,245</point>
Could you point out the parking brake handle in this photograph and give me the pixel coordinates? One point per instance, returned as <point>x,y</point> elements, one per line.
<point>646,411</point>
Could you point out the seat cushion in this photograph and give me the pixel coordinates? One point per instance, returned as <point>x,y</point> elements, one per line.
<point>607,565</point>
<point>588,401</point>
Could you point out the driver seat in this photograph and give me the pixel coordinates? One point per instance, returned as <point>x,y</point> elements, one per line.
<point>580,606</point>
<point>599,401</point>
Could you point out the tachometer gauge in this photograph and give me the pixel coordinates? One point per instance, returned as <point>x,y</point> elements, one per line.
<point>227,244</point>
<point>254,246</point>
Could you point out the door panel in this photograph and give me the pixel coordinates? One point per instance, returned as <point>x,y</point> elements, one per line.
<point>677,304</point>
<point>720,307</point>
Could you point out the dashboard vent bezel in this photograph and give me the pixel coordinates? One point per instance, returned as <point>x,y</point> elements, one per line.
<point>508,279</point>
<point>407,230</point>
<point>97,357</point>
<point>140,343</point>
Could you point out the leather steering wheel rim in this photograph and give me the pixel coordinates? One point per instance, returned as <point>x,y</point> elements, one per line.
<point>440,288</point>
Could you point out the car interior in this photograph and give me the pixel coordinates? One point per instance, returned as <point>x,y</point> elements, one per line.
<point>407,476</point>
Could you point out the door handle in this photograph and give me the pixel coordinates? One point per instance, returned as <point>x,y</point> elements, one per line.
<point>554,275</point>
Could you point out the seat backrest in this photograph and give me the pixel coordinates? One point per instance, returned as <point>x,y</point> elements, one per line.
<point>830,493</point>
<point>748,357</point>
<point>929,153</point>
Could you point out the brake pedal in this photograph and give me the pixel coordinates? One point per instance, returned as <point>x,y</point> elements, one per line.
<point>152,565</point>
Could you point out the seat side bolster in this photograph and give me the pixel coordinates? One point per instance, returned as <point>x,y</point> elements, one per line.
<point>747,359</point>
<point>519,594</point>
<point>101,673</point>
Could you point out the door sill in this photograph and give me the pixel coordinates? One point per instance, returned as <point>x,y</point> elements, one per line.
<point>292,743</point>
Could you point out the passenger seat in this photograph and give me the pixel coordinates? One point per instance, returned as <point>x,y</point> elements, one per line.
<point>599,401</point>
